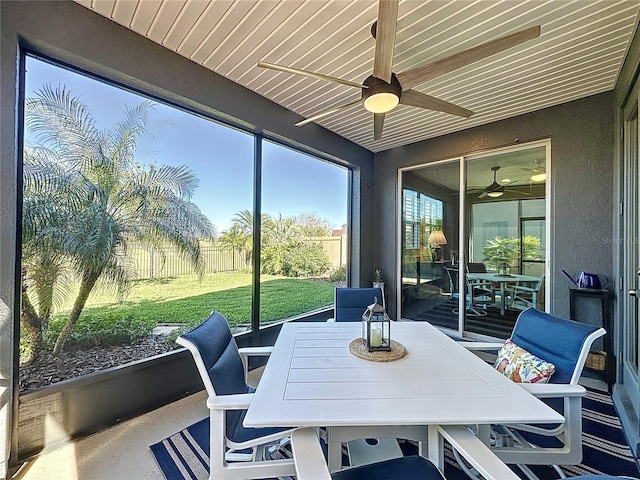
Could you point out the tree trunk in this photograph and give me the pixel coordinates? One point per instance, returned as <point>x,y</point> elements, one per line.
<point>88,282</point>
<point>33,324</point>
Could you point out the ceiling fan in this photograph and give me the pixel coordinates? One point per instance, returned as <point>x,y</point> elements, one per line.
<point>538,174</point>
<point>496,189</point>
<point>382,91</point>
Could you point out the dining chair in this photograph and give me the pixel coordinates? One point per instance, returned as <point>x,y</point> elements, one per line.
<point>236,452</point>
<point>565,344</point>
<point>311,465</point>
<point>525,296</point>
<point>350,303</point>
<point>478,294</point>
<point>476,267</point>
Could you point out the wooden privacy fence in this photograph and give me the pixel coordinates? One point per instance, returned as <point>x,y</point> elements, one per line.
<point>150,263</point>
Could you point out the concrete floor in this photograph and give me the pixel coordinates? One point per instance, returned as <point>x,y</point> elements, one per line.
<point>122,452</point>
<point>118,453</point>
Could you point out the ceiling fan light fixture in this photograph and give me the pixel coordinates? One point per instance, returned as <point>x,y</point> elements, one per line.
<point>495,194</point>
<point>380,96</point>
<point>539,177</point>
<point>381,102</point>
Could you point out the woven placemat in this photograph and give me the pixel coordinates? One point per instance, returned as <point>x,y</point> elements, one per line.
<point>358,348</point>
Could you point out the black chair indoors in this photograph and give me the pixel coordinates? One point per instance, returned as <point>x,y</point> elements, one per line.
<point>236,452</point>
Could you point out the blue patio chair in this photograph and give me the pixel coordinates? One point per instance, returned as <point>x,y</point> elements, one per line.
<point>236,452</point>
<point>311,465</point>
<point>565,344</point>
<point>350,303</point>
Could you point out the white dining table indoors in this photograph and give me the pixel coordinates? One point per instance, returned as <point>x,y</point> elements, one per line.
<point>503,281</point>
<point>312,379</point>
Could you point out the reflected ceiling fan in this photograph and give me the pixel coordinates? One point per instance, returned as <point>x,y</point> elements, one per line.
<point>538,174</point>
<point>496,189</point>
<point>384,90</point>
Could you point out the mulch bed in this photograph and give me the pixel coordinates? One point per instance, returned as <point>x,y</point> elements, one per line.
<point>74,363</point>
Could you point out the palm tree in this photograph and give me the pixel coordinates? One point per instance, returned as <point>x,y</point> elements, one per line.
<point>236,239</point>
<point>86,198</point>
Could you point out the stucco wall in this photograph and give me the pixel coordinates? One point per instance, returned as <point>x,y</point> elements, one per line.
<point>581,186</point>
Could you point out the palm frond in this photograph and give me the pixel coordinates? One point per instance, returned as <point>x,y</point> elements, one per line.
<point>124,135</point>
<point>60,121</point>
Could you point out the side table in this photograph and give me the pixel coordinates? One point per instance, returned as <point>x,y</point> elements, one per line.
<point>605,296</point>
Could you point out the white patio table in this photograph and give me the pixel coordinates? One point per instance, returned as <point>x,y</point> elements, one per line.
<point>312,379</point>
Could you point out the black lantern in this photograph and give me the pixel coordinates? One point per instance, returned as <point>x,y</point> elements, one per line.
<point>376,328</point>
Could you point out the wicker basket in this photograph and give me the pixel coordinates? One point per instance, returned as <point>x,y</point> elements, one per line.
<point>596,360</point>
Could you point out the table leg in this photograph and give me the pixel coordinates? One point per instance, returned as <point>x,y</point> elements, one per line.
<point>435,447</point>
<point>334,459</point>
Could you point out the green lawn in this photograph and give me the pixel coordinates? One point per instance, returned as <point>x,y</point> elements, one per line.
<point>185,299</point>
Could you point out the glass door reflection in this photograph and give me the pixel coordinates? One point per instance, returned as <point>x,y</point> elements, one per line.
<point>430,227</point>
<point>462,259</point>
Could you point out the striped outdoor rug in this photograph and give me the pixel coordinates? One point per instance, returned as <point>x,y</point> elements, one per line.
<point>185,455</point>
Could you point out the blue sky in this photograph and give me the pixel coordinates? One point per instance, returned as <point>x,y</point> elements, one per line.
<point>221,157</point>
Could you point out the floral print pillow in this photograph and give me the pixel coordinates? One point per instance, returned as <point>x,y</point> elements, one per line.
<point>521,366</point>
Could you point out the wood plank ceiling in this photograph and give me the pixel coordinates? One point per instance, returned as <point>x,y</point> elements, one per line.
<point>579,53</point>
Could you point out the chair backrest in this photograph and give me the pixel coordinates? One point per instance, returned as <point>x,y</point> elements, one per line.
<point>565,343</point>
<point>216,355</point>
<point>476,268</point>
<point>452,273</point>
<point>350,303</point>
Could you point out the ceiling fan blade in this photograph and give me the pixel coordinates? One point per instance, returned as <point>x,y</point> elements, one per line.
<point>385,39</point>
<point>326,113</point>
<point>415,76</point>
<point>316,76</point>
<point>378,123</point>
<point>417,99</point>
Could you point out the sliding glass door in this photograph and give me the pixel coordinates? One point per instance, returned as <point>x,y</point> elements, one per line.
<point>429,238</point>
<point>463,255</point>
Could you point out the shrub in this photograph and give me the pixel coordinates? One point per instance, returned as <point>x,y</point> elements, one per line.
<point>339,274</point>
<point>272,258</point>
<point>104,328</point>
<point>306,260</point>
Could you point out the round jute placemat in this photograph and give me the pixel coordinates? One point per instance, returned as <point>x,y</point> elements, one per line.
<point>358,348</point>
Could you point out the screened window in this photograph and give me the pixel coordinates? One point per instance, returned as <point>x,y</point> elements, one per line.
<point>139,221</point>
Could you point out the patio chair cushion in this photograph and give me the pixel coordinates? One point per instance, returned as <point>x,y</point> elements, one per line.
<point>350,303</point>
<point>412,467</point>
<point>222,361</point>
<point>562,348</point>
<point>521,366</point>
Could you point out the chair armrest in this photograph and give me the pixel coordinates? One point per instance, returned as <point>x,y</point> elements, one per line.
<point>246,352</point>
<point>240,401</point>
<point>476,453</point>
<point>255,351</point>
<point>481,345</point>
<point>554,390</point>
<point>307,455</point>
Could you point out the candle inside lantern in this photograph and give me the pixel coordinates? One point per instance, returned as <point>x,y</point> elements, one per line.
<point>376,337</point>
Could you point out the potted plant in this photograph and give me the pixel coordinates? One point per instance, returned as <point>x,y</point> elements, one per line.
<point>378,280</point>
<point>504,253</point>
<point>500,253</point>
